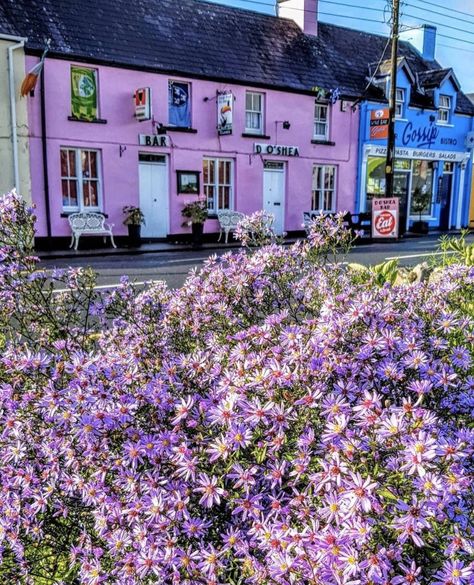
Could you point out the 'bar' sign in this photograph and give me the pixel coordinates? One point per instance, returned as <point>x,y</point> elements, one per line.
<point>162,140</point>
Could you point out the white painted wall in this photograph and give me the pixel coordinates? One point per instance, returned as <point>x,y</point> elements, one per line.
<point>7,179</point>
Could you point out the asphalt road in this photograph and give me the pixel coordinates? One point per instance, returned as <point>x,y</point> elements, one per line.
<point>173,267</point>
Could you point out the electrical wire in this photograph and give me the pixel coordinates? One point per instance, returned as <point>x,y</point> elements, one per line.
<point>469,32</point>
<point>456,48</point>
<point>363,19</point>
<point>470,14</point>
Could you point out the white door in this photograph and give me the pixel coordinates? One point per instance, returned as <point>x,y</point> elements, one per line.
<point>274,193</point>
<point>153,177</point>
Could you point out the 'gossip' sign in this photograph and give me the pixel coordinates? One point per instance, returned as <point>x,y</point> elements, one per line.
<point>420,136</point>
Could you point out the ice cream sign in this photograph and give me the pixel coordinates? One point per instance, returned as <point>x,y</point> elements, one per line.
<point>225,106</point>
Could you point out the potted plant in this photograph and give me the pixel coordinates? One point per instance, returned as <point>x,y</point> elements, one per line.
<point>419,203</point>
<point>133,220</point>
<point>195,213</point>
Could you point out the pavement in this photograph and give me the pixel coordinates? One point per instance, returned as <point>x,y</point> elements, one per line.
<point>165,247</point>
<point>173,262</point>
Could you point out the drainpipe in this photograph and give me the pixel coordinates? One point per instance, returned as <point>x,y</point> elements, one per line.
<point>44,144</point>
<point>11,76</point>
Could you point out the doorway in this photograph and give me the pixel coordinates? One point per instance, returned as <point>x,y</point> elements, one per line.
<point>401,187</point>
<point>154,200</point>
<point>274,193</point>
<point>445,187</point>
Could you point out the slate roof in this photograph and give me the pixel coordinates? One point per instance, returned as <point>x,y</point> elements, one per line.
<point>435,77</point>
<point>202,39</point>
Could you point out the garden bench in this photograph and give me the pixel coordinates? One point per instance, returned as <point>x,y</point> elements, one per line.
<point>228,221</point>
<point>89,223</point>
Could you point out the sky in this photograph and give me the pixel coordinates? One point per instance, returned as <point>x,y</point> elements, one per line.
<point>455,22</point>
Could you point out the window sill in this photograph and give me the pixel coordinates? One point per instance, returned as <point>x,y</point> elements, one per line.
<point>401,119</point>
<point>323,142</point>
<point>66,214</point>
<point>179,129</point>
<point>96,121</point>
<point>444,124</point>
<point>251,135</point>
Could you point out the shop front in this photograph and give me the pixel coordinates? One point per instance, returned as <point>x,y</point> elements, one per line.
<point>430,184</point>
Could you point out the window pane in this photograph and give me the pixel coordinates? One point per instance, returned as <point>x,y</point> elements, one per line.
<point>72,163</point>
<point>86,193</point>
<point>64,165</point>
<point>73,200</point>
<point>93,193</point>
<point>93,164</point>
<point>248,101</point>
<point>85,162</point>
<point>65,190</point>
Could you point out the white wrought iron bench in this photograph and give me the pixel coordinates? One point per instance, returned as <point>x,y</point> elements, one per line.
<point>228,221</point>
<point>89,223</point>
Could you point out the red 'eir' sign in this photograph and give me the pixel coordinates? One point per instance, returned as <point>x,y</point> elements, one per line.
<point>385,217</point>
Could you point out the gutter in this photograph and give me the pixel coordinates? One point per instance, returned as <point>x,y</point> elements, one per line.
<point>11,76</point>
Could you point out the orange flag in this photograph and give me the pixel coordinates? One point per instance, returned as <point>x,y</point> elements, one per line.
<point>29,83</point>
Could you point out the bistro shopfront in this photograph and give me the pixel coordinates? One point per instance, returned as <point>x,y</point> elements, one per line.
<point>432,158</point>
<point>430,184</point>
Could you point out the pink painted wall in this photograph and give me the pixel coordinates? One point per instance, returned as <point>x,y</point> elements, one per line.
<point>120,174</point>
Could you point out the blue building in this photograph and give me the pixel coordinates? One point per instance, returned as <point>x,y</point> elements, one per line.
<point>434,128</point>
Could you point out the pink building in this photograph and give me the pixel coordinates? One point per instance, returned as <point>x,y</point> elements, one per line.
<point>247,110</point>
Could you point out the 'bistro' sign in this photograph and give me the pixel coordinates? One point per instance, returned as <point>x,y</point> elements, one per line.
<point>162,140</point>
<point>275,149</point>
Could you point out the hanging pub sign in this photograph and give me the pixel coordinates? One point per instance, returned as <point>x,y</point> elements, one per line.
<point>385,217</point>
<point>162,140</point>
<point>379,120</point>
<point>275,149</point>
<point>143,104</point>
<point>225,107</point>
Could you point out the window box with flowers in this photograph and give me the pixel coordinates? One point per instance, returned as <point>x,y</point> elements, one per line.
<point>195,214</point>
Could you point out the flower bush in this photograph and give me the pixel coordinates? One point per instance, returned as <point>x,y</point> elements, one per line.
<point>277,420</point>
<point>195,212</point>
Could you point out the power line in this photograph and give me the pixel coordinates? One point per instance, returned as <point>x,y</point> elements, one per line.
<point>352,17</point>
<point>455,48</point>
<point>363,19</point>
<point>440,24</point>
<point>470,14</point>
<point>435,12</point>
<point>352,6</point>
<point>456,39</point>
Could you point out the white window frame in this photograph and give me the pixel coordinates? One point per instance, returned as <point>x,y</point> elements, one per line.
<point>321,188</point>
<point>215,183</point>
<point>79,178</point>
<point>318,120</point>
<point>255,110</point>
<point>444,109</point>
<point>399,102</point>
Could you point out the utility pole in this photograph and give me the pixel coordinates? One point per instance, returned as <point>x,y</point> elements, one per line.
<point>392,102</point>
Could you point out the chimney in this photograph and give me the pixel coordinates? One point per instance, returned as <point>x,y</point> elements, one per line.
<point>303,12</point>
<point>423,38</point>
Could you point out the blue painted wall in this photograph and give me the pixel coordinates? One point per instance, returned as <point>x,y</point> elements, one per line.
<point>419,129</point>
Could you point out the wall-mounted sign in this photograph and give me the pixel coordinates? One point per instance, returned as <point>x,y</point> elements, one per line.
<point>275,149</point>
<point>420,136</point>
<point>385,217</point>
<point>379,120</point>
<point>449,156</point>
<point>162,140</point>
<point>225,107</point>
<point>143,104</point>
